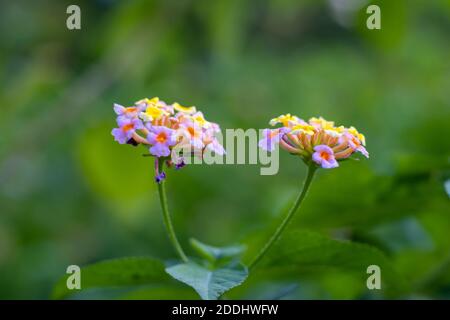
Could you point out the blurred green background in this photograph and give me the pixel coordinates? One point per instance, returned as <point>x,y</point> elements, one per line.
<point>70,195</point>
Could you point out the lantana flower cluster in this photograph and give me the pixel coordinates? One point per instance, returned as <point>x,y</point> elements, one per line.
<point>164,127</point>
<point>317,141</point>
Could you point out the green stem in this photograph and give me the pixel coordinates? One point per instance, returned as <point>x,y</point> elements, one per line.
<point>311,170</point>
<point>167,219</point>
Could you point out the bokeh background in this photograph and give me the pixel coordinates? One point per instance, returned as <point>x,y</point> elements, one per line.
<point>70,195</point>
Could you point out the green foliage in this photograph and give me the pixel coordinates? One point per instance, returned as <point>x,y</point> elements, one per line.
<point>116,273</point>
<point>302,252</point>
<point>210,284</point>
<point>212,277</point>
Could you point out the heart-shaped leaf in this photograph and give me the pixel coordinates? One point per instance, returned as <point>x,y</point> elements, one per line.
<point>116,273</point>
<point>209,284</point>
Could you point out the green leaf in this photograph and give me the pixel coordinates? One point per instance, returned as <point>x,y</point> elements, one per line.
<point>116,273</point>
<point>209,284</point>
<point>214,254</point>
<point>302,252</point>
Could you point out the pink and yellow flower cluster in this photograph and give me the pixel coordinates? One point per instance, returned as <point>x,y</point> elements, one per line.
<point>163,127</point>
<point>317,141</point>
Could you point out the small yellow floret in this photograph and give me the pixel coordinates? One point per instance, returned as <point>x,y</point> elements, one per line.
<point>149,102</point>
<point>360,136</point>
<point>327,125</point>
<point>200,120</point>
<point>284,119</point>
<point>180,108</point>
<point>153,113</point>
<point>304,128</point>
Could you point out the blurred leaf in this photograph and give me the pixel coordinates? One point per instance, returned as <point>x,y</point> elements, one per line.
<point>300,252</point>
<point>371,199</point>
<point>116,273</point>
<point>342,285</point>
<point>435,219</point>
<point>404,234</point>
<point>209,284</point>
<point>110,169</point>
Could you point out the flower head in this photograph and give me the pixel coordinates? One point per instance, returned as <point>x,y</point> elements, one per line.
<point>164,129</point>
<point>317,141</point>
